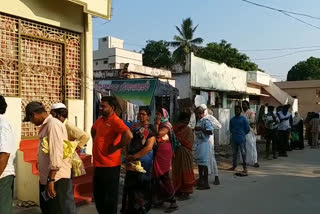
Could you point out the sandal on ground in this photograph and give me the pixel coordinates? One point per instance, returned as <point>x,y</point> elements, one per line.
<point>203,187</point>
<point>158,204</point>
<point>171,209</point>
<point>184,197</point>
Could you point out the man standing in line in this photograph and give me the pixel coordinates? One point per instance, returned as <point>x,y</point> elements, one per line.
<point>202,131</point>
<point>271,123</point>
<point>7,155</point>
<point>284,130</point>
<point>56,194</point>
<point>239,128</point>
<point>213,167</point>
<point>251,145</point>
<point>109,134</point>
<point>60,111</point>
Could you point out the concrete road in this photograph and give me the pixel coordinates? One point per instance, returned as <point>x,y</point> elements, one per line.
<point>286,185</point>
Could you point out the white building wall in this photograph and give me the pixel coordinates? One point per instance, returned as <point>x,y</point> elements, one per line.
<point>111,50</point>
<point>209,75</point>
<point>183,84</point>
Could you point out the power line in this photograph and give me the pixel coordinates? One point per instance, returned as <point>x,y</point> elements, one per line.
<point>276,57</point>
<point>278,49</point>
<point>299,20</point>
<point>287,13</point>
<point>280,10</point>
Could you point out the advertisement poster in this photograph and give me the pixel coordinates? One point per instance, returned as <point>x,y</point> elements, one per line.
<point>135,91</point>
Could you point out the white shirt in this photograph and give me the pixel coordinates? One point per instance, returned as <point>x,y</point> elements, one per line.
<point>7,145</point>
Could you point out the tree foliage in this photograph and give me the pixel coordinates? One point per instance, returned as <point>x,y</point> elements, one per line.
<point>184,42</point>
<point>305,70</point>
<point>223,52</point>
<point>156,54</point>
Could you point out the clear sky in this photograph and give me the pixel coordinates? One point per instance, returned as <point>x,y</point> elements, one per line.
<point>244,25</point>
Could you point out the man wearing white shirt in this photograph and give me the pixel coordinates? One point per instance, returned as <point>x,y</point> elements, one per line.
<point>7,155</point>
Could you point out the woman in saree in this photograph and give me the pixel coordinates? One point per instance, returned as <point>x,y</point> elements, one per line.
<point>182,170</point>
<point>162,187</point>
<point>137,187</point>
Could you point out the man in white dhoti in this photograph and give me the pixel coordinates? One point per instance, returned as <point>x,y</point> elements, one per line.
<point>251,146</point>
<point>212,168</point>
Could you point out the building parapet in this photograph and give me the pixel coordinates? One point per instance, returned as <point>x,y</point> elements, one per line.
<point>258,78</point>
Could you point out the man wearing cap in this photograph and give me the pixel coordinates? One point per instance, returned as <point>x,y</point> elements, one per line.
<point>7,155</point>
<point>60,111</point>
<point>56,194</point>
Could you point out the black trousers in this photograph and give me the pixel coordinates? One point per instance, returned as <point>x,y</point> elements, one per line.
<point>106,189</point>
<point>64,201</point>
<point>6,192</point>
<point>271,136</point>
<point>283,141</point>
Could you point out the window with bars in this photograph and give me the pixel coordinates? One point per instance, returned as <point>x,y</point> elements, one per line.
<point>38,63</point>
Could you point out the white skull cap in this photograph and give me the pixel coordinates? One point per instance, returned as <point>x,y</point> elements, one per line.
<point>58,105</point>
<point>204,106</point>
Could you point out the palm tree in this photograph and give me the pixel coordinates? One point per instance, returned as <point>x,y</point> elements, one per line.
<point>184,42</point>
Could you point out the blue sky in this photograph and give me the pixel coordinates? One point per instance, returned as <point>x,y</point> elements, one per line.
<point>244,25</point>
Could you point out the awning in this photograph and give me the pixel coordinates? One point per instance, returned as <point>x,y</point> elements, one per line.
<point>280,95</point>
<point>99,8</point>
<point>136,91</point>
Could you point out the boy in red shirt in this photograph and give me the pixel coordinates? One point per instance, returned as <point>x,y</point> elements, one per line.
<point>109,134</point>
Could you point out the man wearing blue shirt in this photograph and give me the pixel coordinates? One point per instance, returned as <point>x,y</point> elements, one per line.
<point>239,128</point>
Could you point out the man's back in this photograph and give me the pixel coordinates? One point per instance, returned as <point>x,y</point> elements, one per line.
<point>76,134</point>
<point>239,127</point>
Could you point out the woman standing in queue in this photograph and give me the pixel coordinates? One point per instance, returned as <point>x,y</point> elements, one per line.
<point>182,169</point>
<point>162,187</point>
<point>138,182</point>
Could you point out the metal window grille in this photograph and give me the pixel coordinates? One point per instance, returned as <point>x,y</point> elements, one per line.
<point>73,68</point>
<point>43,56</point>
<point>41,76</point>
<point>9,72</point>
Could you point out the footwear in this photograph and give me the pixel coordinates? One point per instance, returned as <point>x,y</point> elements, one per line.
<point>275,157</point>
<point>216,181</point>
<point>245,171</point>
<point>232,168</point>
<point>183,197</point>
<point>283,155</point>
<point>171,208</point>
<point>256,165</point>
<point>203,187</point>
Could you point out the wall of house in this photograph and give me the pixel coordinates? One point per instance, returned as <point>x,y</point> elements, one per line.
<point>183,85</point>
<point>309,101</point>
<point>58,13</point>
<point>213,76</point>
<point>110,55</point>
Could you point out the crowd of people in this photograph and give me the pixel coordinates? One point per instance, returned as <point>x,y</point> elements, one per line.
<point>157,155</point>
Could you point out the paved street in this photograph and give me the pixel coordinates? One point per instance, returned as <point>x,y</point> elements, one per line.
<point>287,185</point>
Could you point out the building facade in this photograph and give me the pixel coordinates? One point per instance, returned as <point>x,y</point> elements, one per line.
<point>223,87</point>
<point>46,56</point>
<point>307,92</point>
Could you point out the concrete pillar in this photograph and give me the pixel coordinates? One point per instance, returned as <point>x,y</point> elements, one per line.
<point>88,89</point>
<point>224,100</point>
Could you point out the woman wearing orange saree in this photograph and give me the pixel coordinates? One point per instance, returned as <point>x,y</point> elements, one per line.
<point>182,170</point>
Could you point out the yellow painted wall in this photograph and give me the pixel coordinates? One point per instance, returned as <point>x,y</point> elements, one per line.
<point>58,13</point>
